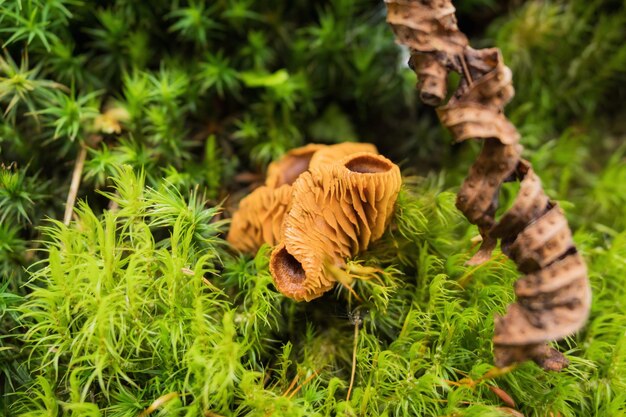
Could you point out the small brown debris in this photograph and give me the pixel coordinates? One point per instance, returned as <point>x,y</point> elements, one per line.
<point>503,395</point>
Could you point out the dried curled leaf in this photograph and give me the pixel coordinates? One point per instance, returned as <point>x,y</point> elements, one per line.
<point>553,299</point>
<point>432,78</point>
<point>259,218</point>
<point>337,210</point>
<point>426,26</point>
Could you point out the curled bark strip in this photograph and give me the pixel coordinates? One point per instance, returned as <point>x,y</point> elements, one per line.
<point>553,299</point>
<point>337,210</point>
<point>432,78</point>
<point>260,216</point>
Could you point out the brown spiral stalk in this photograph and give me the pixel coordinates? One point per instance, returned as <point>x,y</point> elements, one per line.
<point>553,298</point>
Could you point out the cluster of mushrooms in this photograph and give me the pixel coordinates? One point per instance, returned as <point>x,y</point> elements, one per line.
<point>320,205</point>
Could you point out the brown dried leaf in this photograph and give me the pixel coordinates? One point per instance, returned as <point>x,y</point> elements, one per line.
<point>554,298</point>
<point>477,198</point>
<point>426,25</point>
<point>474,120</point>
<point>432,75</point>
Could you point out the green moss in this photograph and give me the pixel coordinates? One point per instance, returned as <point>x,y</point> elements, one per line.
<point>140,306</point>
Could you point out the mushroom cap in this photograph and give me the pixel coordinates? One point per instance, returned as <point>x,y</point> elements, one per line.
<point>288,168</point>
<point>335,153</point>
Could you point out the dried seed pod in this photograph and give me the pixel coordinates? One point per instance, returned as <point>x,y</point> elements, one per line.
<point>260,216</point>
<point>554,298</point>
<point>337,210</point>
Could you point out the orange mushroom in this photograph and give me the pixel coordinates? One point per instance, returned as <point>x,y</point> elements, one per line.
<point>260,215</point>
<point>259,218</point>
<point>337,209</point>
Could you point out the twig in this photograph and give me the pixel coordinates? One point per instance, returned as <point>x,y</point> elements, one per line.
<point>75,184</point>
<point>466,72</point>
<point>158,403</point>
<point>190,273</point>
<point>293,384</point>
<point>306,381</point>
<point>356,340</point>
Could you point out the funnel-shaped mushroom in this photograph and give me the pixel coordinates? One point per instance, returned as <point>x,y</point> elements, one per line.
<point>336,211</point>
<point>260,216</point>
<point>335,153</point>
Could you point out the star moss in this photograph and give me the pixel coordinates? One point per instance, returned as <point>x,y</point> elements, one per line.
<point>139,307</point>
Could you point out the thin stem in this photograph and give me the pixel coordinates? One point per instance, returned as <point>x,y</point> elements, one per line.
<point>356,340</point>
<point>293,384</point>
<point>466,72</point>
<point>158,403</point>
<point>303,384</point>
<point>467,276</point>
<point>75,184</point>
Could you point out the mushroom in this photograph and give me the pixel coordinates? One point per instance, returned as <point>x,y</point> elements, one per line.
<point>259,218</point>
<point>337,209</point>
<point>260,215</point>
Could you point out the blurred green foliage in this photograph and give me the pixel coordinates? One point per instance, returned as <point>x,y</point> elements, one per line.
<point>139,306</point>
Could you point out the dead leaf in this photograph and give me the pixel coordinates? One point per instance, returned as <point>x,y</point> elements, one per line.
<point>553,299</point>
